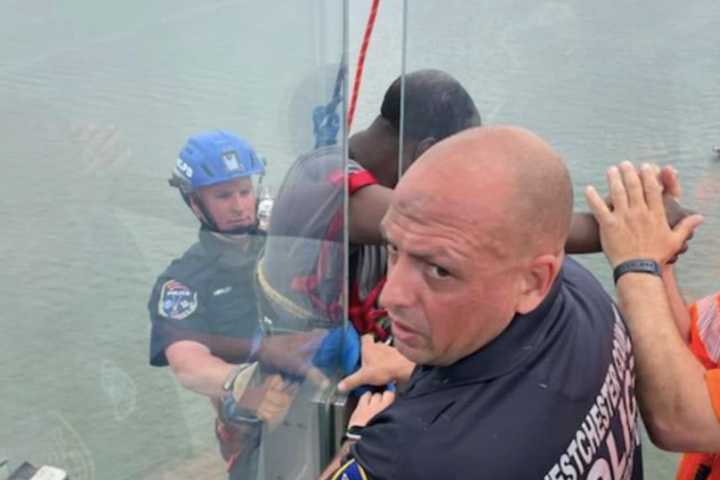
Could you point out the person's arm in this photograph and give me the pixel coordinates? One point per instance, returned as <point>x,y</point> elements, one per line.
<point>367,208</point>
<point>584,236</point>
<point>380,364</point>
<point>673,396</point>
<point>197,369</point>
<point>369,405</point>
<point>336,462</point>
<point>677,303</point>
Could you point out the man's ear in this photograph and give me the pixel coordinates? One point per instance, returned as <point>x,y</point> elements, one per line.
<point>536,281</point>
<point>423,145</point>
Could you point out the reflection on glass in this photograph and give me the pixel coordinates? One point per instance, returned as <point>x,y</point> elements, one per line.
<point>203,307</point>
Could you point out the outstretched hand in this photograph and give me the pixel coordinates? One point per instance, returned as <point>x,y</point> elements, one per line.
<point>636,226</point>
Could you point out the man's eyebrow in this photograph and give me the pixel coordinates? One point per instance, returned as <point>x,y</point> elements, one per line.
<point>429,256</point>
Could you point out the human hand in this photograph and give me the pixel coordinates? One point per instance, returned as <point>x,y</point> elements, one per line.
<point>668,178</point>
<point>292,354</point>
<point>276,402</point>
<point>674,212</point>
<point>671,192</point>
<point>369,405</point>
<point>380,364</point>
<point>636,226</point>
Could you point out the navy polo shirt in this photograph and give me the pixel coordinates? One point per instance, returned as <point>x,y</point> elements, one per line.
<point>208,296</point>
<point>552,397</point>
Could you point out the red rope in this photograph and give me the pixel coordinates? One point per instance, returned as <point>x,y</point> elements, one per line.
<point>361,60</point>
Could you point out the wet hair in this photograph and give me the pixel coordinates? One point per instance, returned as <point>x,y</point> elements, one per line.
<point>436,104</point>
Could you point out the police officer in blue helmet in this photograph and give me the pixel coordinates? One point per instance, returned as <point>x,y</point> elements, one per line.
<point>203,307</point>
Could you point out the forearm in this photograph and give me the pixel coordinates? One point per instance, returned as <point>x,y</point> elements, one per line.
<point>677,303</point>
<point>584,235</point>
<point>670,382</point>
<point>336,462</point>
<point>207,378</point>
<point>198,370</point>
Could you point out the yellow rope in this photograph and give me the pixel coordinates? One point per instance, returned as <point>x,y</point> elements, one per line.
<point>291,307</point>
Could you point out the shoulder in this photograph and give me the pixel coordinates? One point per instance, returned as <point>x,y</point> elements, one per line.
<point>579,347</point>
<point>583,295</point>
<point>175,292</point>
<point>577,276</point>
<point>463,429</point>
<point>196,261</point>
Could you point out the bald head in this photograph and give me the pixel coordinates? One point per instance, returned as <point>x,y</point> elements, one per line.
<point>506,181</point>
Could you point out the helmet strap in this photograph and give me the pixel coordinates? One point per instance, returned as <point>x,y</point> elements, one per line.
<point>208,222</point>
<point>202,213</point>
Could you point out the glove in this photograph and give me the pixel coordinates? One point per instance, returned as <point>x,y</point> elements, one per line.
<point>340,347</point>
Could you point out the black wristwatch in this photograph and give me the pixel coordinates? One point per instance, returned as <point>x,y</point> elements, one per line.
<point>637,265</point>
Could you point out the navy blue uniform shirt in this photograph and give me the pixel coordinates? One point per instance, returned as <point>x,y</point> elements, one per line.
<point>208,296</point>
<point>550,398</point>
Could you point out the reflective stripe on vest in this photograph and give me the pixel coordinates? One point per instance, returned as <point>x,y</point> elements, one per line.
<point>708,325</point>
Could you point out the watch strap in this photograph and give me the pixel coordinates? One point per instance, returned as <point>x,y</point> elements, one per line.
<point>637,265</point>
<point>353,433</point>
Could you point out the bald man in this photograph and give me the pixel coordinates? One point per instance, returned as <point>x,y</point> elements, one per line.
<point>524,365</point>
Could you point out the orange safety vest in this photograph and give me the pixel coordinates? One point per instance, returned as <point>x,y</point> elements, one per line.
<point>705,345</point>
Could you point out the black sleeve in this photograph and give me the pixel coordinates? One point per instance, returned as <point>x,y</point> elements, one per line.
<point>378,451</point>
<point>176,313</point>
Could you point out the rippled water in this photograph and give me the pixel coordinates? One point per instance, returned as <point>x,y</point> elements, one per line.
<point>97,98</point>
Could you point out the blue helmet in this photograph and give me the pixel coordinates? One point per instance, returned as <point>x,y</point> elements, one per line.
<point>214,157</point>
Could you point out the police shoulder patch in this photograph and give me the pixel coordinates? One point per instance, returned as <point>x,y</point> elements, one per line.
<point>351,470</point>
<point>177,301</point>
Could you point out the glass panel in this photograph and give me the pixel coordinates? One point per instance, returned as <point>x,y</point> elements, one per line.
<point>101,105</point>
<point>602,85</point>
